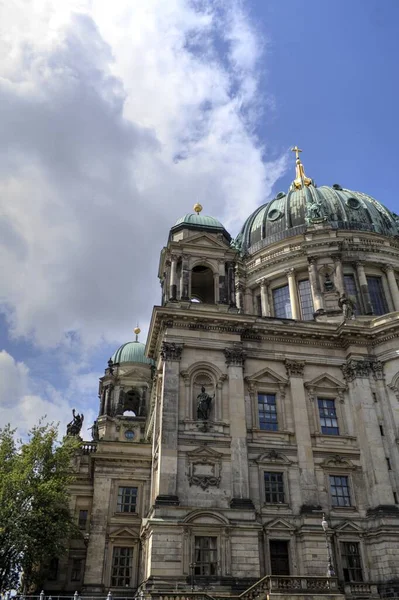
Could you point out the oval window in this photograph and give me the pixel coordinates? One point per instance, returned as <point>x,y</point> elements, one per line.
<point>129,434</point>
<point>274,214</point>
<point>353,203</point>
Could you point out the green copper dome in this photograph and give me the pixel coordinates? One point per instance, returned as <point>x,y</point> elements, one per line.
<point>293,213</point>
<point>199,221</point>
<point>131,352</point>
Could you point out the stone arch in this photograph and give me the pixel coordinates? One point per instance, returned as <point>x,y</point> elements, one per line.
<point>203,283</point>
<point>394,385</point>
<point>201,516</point>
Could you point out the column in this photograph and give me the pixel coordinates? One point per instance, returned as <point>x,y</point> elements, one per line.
<point>339,275</point>
<point>315,285</point>
<point>185,278</point>
<point>293,294</point>
<point>364,290</point>
<point>173,280</point>
<point>240,296</point>
<point>295,370</point>
<point>264,298</point>
<point>357,373</point>
<point>231,283</point>
<point>222,283</point>
<point>168,423</point>
<point>216,287</point>
<point>249,301</point>
<point>235,358</point>
<point>393,286</point>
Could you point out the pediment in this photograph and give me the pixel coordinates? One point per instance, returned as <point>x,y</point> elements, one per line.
<point>280,524</point>
<point>207,240</point>
<point>266,375</point>
<point>125,532</point>
<point>272,456</point>
<point>348,527</point>
<point>134,373</point>
<point>203,452</point>
<point>326,381</point>
<point>206,518</point>
<point>337,461</point>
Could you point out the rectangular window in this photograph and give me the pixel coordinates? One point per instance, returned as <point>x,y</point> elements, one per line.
<point>351,292</point>
<point>281,303</point>
<point>127,499</point>
<point>83,519</point>
<point>53,570</point>
<point>267,412</point>
<point>377,296</point>
<point>306,300</point>
<point>328,416</point>
<point>76,572</point>
<point>258,306</point>
<point>389,464</point>
<point>205,555</point>
<point>351,561</point>
<point>121,567</point>
<point>274,488</point>
<point>279,560</point>
<point>339,486</point>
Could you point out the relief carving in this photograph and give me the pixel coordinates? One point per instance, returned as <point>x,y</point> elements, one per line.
<point>235,357</point>
<point>204,468</point>
<point>354,369</point>
<point>171,351</point>
<point>294,368</point>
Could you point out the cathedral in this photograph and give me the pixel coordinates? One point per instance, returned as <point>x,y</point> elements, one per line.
<point>250,445</point>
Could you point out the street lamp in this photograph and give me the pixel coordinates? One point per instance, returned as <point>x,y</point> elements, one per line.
<point>330,566</point>
<point>192,569</point>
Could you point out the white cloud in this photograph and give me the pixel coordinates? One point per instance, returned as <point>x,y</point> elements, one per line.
<point>117,117</point>
<point>24,399</point>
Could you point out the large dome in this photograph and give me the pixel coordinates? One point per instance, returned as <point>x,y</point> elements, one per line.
<point>305,205</point>
<point>201,221</point>
<point>131,352</point>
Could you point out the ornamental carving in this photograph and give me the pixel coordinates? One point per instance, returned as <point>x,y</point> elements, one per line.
<point>377,369</point>
<point>354,369</point>
<point>204,467</point>
<point>171,351</point>
<point>235,357</point>
<point>294,368</point>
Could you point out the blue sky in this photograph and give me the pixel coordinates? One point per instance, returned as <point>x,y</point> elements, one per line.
<point>117,117</point>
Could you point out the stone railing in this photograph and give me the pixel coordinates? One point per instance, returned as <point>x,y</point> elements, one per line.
<point>361,588</point>
<point>88,447</point>
<point>290,585</point>
<point>186,596</point>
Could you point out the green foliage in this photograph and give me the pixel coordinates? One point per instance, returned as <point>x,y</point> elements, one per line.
<point>35,522</point>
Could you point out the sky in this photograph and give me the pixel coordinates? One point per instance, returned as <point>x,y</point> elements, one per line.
<point>116,117</point>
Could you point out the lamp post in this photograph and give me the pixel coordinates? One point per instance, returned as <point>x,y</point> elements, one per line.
<point>192,569</point>
<point>330,566</point>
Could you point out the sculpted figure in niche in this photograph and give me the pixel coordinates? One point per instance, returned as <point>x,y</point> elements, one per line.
<point>204,402</point>
<point>347,306</point>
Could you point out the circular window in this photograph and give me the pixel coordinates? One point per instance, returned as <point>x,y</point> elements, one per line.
<point>353,203</point>
<point>129,434</point>
<point>274,214</point>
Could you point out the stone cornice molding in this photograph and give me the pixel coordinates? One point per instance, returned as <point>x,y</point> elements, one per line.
<point>171,351</point>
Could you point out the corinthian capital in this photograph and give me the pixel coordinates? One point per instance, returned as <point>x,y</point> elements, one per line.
<point>294,368</point>
<point>235,356</point>
<point>171,351</point>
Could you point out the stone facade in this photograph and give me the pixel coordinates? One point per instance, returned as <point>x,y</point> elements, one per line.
<point>303,420</point>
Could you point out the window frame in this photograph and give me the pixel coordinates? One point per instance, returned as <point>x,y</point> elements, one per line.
<point>283,483</point>
<point>272,292</point>
<point>123,502</point>
<point>116,484</point>
<point>335,418</point>
<point>342,555</point>
<point>215,550</point>
<point>82,523</point>
<point>74,570</point>
<point>299,281</point>
<point>350,488</point>
<point>383,299</point>
<point>268,429</point>
<point>359,308</point>
<point>131,566</point>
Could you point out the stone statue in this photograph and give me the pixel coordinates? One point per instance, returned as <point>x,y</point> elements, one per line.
<point>204,402</point>
<point>94,431</point>
<point>74,427</point>
<point>347,306</point>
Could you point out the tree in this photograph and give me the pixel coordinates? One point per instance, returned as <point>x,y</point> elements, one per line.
<point>35,521</point>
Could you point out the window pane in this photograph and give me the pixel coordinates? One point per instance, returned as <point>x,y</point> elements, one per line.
<point>127,499</point>
<point>351,561</point>
<point>351,292</point>
<point>267,412</point>
<point>82,519</point>
<point>281,303</point>
<point>328,416</point>
<point>205,555</point>
<point>121,567</point>
<point>377,296</point>
<point>274,488</point>
<point>339,486</point>
<point>306,300</point>
<point>76,569</point>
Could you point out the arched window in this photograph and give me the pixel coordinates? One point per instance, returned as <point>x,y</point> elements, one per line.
<point>202,284</point>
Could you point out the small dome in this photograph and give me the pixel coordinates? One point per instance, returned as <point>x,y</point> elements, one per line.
<point>292,213</point>
<point>195,220</point>
<point>131,352</point>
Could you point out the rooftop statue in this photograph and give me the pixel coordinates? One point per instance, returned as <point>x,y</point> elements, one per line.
<point>347,305</point>
<point>74,427</point>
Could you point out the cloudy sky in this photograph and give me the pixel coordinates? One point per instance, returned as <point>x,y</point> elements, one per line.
<point>116,117</point>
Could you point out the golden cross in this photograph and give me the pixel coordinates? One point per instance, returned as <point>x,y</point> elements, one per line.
<point>297,150</point>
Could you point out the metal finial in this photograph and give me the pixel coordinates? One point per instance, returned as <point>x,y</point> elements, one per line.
<point>197,207</point>
<point>137,330</point>
<point>300,177</point>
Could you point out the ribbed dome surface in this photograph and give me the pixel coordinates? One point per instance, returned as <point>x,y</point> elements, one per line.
<point>131,352</point>
<point>199,220</point>
<point>291,214</point>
